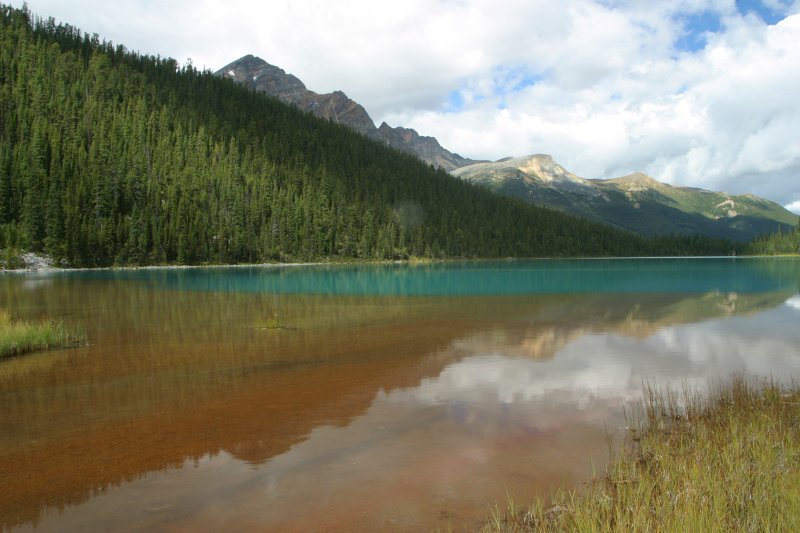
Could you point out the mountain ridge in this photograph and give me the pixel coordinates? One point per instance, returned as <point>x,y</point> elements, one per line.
<point>635,202</point>
<point>256,73</point>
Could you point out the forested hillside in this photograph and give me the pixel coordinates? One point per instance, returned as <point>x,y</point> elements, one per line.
<point>111,157</point>
<point>780,243</point>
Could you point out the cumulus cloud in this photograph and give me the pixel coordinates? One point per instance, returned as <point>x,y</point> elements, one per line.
<point>721,117</point>
<point>794,207</point>
<point>693,92</point>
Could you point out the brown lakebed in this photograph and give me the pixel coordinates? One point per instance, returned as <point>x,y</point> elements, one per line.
<point>209,405</point>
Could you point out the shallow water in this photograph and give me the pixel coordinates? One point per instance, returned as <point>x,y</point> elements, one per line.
<point>358,397</point>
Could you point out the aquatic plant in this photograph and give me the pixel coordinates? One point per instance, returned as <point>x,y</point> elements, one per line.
<point>723,462</point>
<point>271,322</point>
<point>19,336</point>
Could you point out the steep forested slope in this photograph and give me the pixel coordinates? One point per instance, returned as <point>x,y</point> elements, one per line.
<point>779,243</point>
<point>111,157</point>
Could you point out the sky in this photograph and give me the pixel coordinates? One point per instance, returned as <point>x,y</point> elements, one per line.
<point>701,93</point>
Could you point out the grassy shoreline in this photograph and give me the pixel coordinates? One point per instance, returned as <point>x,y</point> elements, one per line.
<point>18,337</point>
<point>726,461</point>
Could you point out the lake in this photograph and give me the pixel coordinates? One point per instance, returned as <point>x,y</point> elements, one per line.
<point>358,397</point>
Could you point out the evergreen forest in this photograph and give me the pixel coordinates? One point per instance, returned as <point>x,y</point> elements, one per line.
<point>780,243</point>
<point>111,157</point>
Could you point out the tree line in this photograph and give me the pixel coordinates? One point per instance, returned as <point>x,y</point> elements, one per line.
<point>780,243</point>
<point>111,157</point>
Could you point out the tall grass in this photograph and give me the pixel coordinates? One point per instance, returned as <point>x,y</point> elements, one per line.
<point>729,461</point>
<point>18,337</point>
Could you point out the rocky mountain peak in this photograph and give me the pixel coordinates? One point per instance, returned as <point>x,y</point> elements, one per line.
<point>261,76</point>
<point>255,72</point>
<point>545,168</point>
<point>636,182</point>
<point>336,106</point>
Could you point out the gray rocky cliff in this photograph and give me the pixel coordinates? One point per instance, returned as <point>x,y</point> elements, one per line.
<point>336,106</point>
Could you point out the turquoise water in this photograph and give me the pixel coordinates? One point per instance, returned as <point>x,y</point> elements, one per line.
<point>691,275</point>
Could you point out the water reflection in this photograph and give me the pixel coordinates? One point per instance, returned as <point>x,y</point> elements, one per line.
<point>611,365</point>
<point>377,412</point>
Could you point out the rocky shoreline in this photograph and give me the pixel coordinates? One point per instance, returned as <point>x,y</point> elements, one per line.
<point>32,262</point>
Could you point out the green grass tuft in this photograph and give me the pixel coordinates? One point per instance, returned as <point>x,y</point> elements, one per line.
<point>18,337</point>
<point>726,462</point>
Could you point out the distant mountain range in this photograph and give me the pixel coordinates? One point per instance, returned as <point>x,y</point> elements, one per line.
<point>336,106</point>
<point>636,202</point>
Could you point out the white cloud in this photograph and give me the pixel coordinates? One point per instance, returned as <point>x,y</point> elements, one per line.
<point>794,207</point>
<point>725,117</point>
<point>600,85</point>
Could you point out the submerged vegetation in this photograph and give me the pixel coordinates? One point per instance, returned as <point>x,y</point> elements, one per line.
<point>729,462</point>
<point>18,337</point>
<point>272,322</point>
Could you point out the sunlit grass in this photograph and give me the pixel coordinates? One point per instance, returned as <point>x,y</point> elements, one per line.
<point>18,336</point>
<point>726,462</point>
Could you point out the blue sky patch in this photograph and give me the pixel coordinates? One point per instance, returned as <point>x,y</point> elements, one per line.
<point>526,81</point>
<point>770,15</point>
<point>505,81</point>
<point>455,102</point>
<point>696,28</point>
<point>510,80</point>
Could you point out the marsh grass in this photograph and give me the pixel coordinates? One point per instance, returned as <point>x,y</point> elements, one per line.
<point>18,337</point>
<point>728,461</point>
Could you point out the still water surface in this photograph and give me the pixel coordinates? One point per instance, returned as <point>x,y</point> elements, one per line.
<point>343,398</point>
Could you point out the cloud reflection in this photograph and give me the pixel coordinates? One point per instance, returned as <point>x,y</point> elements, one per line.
<point>605,366</point>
